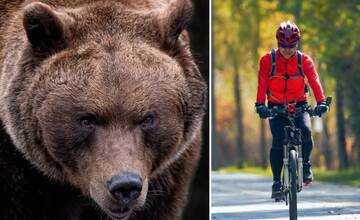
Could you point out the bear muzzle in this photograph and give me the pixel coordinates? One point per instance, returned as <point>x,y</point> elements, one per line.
<point>125,188</point>
<point>125,191</point>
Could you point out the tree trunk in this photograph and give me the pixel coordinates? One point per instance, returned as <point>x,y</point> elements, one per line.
<point>263,149</point>
<point>216,158</point>
<point>327,150</point>
<point>215,150</point>
<point>239,115</point>
<point>358,155</point>
<point>340,123</point>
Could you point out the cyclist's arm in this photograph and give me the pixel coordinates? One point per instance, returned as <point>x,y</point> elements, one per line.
<point>313,78</point>
<point>263,78</point>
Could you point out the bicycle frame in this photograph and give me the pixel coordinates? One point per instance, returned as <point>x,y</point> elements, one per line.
<point>292,141</point>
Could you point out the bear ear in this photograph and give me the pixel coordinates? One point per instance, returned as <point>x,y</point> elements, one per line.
<point>45,29</point>
<point>174,20</point>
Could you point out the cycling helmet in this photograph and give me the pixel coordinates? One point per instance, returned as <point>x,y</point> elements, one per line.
<point>288,34</point>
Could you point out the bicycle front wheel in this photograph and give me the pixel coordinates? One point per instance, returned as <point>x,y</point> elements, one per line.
<point>293,185</point>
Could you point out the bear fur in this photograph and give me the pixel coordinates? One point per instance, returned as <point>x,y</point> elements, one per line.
<point>90,90</point>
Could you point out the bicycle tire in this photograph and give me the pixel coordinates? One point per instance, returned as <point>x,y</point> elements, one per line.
<point>293,185</point>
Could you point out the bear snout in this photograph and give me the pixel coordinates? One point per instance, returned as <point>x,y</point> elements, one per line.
<point>125,188</point>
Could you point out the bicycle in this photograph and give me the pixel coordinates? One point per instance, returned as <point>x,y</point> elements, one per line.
<point>292,176</point>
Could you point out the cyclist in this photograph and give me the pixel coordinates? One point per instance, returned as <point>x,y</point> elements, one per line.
<point>281,81</point>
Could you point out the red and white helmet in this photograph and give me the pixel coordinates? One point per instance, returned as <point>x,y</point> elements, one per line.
<point>288,34</point>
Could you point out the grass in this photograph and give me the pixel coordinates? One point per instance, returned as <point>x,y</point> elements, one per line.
<point>348,177</point>
<point>253,170</point>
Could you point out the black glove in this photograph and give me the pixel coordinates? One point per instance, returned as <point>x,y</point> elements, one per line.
<point>262,110</point>
<point>321,108</point>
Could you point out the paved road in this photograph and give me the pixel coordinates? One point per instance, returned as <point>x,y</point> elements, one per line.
<point>247,196</point>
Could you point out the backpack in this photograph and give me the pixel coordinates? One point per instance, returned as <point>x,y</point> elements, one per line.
<point>300,61</point>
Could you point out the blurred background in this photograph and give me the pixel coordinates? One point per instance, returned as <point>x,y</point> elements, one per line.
<point>243,31</point>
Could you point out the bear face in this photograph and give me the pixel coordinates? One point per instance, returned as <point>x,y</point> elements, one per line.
<point>107,96</point>
<point>118,118</point>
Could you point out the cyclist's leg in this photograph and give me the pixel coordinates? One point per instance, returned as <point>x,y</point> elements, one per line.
<point>277,125</point>
<point>303,122</point>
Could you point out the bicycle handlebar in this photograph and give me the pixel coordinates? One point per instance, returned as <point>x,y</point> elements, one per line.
<point>285,113</point>
<point>295,111</point>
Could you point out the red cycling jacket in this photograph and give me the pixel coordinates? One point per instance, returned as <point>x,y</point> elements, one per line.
<point>281,87</point>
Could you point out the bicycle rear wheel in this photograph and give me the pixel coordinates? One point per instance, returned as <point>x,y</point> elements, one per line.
<point>293,185</point>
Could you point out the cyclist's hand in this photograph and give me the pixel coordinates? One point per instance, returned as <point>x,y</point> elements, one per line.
<point>321,108</point>
<point>262,110</point>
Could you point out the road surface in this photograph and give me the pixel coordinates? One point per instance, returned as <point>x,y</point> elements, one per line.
<point>247,196</point>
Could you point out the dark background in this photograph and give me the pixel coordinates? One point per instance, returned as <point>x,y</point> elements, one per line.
<point>198,205</point>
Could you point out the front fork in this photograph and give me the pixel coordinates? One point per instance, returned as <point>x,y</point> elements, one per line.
<point>292,141</point>
<point>286,177</point>
<point>300,169</point>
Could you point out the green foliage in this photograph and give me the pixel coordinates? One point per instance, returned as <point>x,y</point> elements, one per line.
<point>338,29</point>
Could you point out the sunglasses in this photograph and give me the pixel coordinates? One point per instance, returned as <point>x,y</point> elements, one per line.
<point>287,46</point>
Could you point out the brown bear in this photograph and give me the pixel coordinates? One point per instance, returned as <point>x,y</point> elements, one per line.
<point>101,106</point>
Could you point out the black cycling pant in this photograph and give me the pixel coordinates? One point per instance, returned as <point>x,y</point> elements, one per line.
<point>277,125</point>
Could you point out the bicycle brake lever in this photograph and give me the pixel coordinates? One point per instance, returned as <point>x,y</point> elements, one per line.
<point>328,100</point>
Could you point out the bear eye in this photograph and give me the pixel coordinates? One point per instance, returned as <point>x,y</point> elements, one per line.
<point>88,121</point>
<point>149,121</point>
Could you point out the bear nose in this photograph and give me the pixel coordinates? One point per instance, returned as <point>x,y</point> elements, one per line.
<point>125,188</point>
